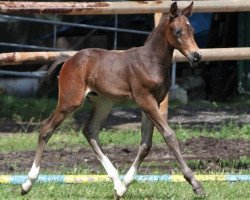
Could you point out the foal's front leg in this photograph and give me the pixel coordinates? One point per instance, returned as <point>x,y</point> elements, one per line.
<point>99,113</point>
<point>150,107</point>
<point>147,128</point>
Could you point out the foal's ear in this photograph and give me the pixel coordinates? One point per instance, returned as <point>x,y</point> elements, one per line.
<point>188,10</point>
<point>174,10</point>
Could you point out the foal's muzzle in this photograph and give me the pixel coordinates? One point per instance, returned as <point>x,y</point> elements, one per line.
<point>194,58</point>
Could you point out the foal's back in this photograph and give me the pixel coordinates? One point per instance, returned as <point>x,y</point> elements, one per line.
<point>105,72</point>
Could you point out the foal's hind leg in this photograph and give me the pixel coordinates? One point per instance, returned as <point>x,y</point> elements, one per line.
<point>147,128</point>
<point>99,113</point>
<point>64,108</point>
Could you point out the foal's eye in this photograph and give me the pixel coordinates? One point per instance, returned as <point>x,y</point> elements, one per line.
<point>178,32</point>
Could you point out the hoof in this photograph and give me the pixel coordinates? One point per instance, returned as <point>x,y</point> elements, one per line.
<point>116,196</point>
<point>200,191</point>
<point>120,191</point>
<point>23,192</point>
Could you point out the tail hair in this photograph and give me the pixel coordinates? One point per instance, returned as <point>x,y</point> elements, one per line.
<point>48,86</point>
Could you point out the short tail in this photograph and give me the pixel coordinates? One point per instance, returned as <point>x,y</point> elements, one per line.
<point>48,86</point>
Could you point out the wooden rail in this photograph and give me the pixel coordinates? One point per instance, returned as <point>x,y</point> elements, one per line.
<point>125,7</point>
<point>216,54</point>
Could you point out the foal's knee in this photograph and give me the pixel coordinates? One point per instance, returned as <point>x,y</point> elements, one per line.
<point>169,135</point>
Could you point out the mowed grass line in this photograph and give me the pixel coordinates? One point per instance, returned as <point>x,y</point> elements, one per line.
<point>137,191</point>
<point>74,139</point>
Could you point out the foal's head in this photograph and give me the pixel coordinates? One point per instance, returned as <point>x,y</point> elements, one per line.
<point>180,33</point>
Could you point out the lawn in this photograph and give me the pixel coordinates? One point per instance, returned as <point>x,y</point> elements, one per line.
<point>138,190</point>
<point>74,139</point>
<point>71,139</point>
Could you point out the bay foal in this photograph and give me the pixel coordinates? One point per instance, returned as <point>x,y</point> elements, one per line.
<point>138,74</point>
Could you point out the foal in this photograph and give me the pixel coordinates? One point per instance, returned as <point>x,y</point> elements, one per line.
<point>138,74</point>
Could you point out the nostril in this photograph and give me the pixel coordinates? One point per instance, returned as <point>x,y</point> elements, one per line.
<point>197,56</point>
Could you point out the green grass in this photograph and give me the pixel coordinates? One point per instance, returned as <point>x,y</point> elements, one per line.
<point>240,101</point>
<point>20,109</point>
<point>75,139</point>
<point>137,191</point>
<point>229,131</point>
<point>225,166</point>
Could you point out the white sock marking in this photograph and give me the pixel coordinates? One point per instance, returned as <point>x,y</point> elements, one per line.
<point>34,172</point>
<point>32,176</point>
<point>119,187</point>
<point>129,177</point>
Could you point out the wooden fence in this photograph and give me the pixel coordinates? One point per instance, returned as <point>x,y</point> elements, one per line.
<point>125,7</point>
<point>130,7</point>
<point>216,54</point>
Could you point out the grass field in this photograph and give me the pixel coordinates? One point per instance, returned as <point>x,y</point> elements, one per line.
<point>139,190</point>
<point>69,138</point>
<point>74,139</point>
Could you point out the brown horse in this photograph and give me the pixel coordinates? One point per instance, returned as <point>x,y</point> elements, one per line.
<point>138,74</point>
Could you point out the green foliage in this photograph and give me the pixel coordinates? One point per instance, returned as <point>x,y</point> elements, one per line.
<point>25,109</point>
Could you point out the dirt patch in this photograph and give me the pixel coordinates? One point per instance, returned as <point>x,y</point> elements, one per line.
<point>208,152</point>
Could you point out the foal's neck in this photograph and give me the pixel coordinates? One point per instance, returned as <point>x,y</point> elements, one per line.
<point>157,45</point>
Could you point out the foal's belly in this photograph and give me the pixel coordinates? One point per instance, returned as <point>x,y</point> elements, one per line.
<point>110,86</point>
